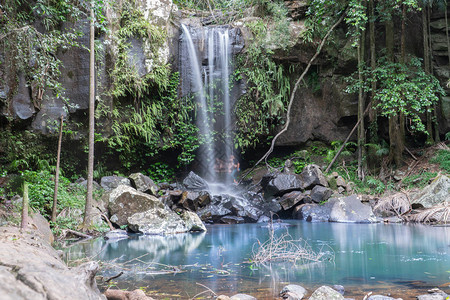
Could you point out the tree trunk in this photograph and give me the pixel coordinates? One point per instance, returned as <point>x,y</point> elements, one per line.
<point>58,158</point>
<point>446,33</point>
<point>402,121</point>
<point>24,221</point>
<point>87,221</point>
<point>361,106</point>
<point>426,61</point>
<point>395,143</point>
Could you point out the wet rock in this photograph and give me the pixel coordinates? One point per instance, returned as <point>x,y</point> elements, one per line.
<point>293,292</point>
<point>242,297</point>
<point>117,234</point>
<point>436,193</point>
<point>157,220</point>
<point>431,297</point>
<point>280,184</point>
<point>81,182</point>
<point>192,221</point>
<point>263,219</point>
<point>232,220</point>
<point>339,288</point>
<point>315,212</point>
<point>351,210</point>
<point>312,176</point>
<point>320,194</point>
<point>195,182</point>
<point>144,184</point>
<point>124,201</point>
<point>111,182</point>
<point>194,200</point>
<point>326,293</point>
<point>291,199</point>
<point>223,297</point>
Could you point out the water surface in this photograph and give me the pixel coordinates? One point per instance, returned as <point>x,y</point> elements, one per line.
<point>366,256</point>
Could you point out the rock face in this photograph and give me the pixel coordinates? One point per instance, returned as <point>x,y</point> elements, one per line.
<point>315,212</point>
<point>320,194</point>
<point>326,293</point>
<point>35,271</point>
<point>436,193</point>
<point>351,210</point>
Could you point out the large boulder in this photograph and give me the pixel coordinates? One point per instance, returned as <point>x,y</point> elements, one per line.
<point>315,212</point>
<point>280,184</point>
<point>144,184</point>
<point>351,210</point>
<point>291,199</point>
<point>326,293</point>
<point>293,292</point>
<point>434,194</point>
<point>312,176</point>
<point>157,220</point>
<point>31,269</point>
<point>195,182</point>
<point>320,194</point>
<point>192,221</point>
<point>124,201</point>
<point>111,182</point>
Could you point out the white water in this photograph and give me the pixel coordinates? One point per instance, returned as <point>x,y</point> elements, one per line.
<point>214,114</point>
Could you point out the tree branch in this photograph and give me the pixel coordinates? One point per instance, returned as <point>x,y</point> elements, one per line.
<point>291,100</point>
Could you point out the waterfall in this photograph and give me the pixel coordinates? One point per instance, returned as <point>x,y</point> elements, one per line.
<point>206,66</point>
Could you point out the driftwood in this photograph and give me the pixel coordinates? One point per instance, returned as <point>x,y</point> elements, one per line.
<point>114,277</point>
<point>77,233</point>
<point>291,100</point>
<point>126,295</point>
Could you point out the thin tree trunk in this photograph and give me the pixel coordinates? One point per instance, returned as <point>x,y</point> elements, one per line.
<point>426,60</point>
<point>291,100</point>
<point>87,221</point>
<point>446,33</point>
<point>24,221</point>
<point>373,66</point>
<point>395,143</point>
<point>361,105</point>
<point>402,121</point>
<point>58,159</point>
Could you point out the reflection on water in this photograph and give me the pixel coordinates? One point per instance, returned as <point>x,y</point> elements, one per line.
<point>372,254</point>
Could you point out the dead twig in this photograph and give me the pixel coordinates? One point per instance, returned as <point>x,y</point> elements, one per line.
<point>208,290</point>
<point>114,277</point>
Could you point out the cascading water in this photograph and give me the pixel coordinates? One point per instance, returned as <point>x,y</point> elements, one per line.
<point>206,66</point>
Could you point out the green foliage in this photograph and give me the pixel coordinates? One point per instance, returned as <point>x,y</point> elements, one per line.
<point>349,148</point>
<point>262,108</point>
<point>447,136</point>
<point>160,172</point>
<point>443,159</point>
<point>41,187</point>
<point>32,52</point>
<point>125,76</point>
<point>418,180</point>
<point>163,122</point>
<point>402,88</point>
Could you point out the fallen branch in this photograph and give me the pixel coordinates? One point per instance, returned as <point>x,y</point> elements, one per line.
<point>207,290</point>
<point>111,227</point>
<point>77,233</point>
<point>114,277</point>
<point>291,100</point>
